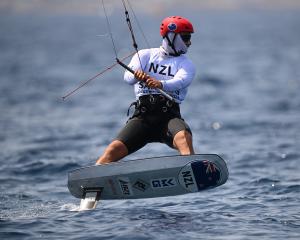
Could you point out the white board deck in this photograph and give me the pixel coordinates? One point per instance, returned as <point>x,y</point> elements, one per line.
<point>150,177</point>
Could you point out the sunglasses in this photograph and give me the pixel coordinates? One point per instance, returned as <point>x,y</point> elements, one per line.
<point>186,37</point>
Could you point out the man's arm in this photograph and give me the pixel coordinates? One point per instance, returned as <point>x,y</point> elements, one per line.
<point>150,81</point>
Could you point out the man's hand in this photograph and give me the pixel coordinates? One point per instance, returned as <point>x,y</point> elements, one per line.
<point>141,76</point>
<point>153,83</point>
<point>150,82</point>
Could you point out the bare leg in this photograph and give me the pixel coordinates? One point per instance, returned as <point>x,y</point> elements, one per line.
<point>183,142</point>
<point>114,152</point>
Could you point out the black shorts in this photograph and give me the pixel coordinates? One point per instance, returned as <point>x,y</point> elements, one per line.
<point>139,131</point>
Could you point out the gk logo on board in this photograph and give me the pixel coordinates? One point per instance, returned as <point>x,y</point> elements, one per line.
<point>125,186</point>
<point>163,182</point>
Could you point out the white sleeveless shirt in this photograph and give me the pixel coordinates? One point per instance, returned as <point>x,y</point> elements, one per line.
<point>175,73</point>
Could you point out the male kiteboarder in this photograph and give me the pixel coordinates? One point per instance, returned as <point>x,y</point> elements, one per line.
<point>156,118</point>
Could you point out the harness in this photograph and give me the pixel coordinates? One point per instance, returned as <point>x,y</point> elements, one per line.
<point>154,104</point>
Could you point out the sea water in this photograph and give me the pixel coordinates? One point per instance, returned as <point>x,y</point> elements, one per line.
<point>244,104</point>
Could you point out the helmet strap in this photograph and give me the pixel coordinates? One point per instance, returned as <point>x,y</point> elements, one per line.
<point>171,44</point>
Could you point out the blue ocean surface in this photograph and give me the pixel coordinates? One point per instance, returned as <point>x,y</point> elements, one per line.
<point>244,105</point>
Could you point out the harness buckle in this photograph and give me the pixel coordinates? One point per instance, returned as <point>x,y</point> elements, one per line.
<point>169,103</point>
<point>143,109</point>
<point>135,104</point>
<point>151,99</point>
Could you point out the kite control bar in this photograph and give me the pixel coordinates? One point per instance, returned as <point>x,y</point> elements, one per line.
<point>131,70</point>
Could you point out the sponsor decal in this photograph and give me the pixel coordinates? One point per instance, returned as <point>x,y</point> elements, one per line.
<point>172,27</point>
<point>210,167</point>
<point>163,183</point>
<point>141,185</point>
<point>187,179</point>
<point>125,186</point>
<point>161,69</point>
<point>212,172</point>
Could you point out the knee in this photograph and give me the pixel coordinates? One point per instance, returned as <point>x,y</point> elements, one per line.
<point>184,143</point>
<point>116,148</point>
<point>182,137</point>
<point>114,152</point>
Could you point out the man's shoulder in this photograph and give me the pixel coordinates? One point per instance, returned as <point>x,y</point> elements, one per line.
<point>148,51</point>
<point>186,62</point>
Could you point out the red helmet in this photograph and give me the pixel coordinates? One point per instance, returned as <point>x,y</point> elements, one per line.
<point>175,24</point>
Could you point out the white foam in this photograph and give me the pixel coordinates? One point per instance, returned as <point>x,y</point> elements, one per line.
<point>70,207</point>
<point>87,204</point>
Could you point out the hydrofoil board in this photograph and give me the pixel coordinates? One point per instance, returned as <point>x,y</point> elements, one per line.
<point>149,178</point>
